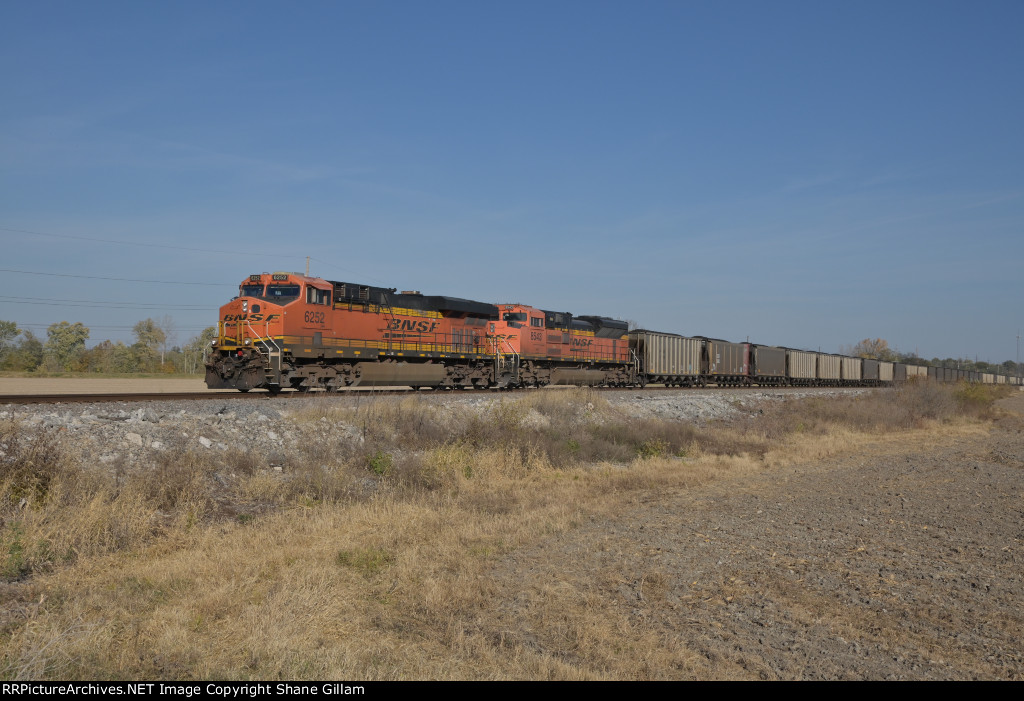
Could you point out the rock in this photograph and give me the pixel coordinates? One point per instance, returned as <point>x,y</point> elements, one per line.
<point>133,438</point>
<point>205,442</point>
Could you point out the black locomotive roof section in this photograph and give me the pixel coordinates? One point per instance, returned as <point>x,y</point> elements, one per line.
<point>556,320</point>
<point>605,322</point>
<point>464,306</point>
<point>388,297</point>
<point>606,327</point>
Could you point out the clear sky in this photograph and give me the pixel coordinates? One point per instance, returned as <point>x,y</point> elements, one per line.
<point>799,173</point>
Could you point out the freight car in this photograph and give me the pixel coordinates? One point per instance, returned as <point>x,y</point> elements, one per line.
<point>286,330</point>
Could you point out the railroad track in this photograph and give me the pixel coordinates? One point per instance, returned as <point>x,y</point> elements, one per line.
<point>291,394</point>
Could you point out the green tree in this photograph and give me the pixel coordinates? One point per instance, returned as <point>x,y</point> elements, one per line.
<point>149,338</point>
<point>8,332</point>
<point>30,351</point>
<point>27,355</point>
<point>65,343</point>
<point>910,359</point>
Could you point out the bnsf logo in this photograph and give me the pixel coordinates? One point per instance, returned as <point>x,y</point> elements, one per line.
<point>250,317</point>
<point>410,325</point>
<point>583,342</point>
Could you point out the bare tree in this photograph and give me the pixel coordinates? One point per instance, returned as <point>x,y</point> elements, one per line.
<point>170,330</point>
<point>195,351</point>
<point>877,348</point>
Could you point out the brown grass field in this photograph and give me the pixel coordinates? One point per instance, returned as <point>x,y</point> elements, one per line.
<point>547,537</point>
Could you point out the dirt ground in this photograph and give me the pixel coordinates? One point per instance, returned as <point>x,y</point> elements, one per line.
<point>903,561</point>
<point>88,385</point>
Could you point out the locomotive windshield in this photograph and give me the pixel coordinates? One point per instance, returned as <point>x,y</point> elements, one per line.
<point>252,291</point>
<point>282,294</point>
<point>514,316</point>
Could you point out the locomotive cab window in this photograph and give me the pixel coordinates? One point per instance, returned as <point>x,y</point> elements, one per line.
<point>283,294</point>
<point>251,291</point>
<point>513,316</point>
<point>537,321</point>
<point>315,296</point>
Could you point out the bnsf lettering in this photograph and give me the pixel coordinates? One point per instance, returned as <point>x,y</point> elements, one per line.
<point>250,317</point>
<point>583,342</point>
<point>410,325</point>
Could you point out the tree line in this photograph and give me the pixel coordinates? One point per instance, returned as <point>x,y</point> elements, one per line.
<point>879,349</point>
<point>64,349</point>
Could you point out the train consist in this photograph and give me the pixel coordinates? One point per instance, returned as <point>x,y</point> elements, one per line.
<point>287,330</point>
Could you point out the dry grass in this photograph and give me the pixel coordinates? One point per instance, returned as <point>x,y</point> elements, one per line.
<point>372,553</point>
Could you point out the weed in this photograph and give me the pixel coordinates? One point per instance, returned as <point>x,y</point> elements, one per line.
<point>368,561</point>
<point>14,564</point>
<point>381,463</point>
<point>652,449</point>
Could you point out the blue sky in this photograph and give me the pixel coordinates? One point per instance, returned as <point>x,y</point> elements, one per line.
<point>799,173</point>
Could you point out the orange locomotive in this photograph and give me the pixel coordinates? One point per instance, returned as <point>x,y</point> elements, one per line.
<point>290,330</point>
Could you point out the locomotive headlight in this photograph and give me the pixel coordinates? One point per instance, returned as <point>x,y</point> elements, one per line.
<point>245,305</point>
<point>248,341</point>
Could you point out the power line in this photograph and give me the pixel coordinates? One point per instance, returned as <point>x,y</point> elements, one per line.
<point>118,279</point>
<point>149,245</point>
<point>105,327</point>
<point>101,305</point>
<point>360,275</point>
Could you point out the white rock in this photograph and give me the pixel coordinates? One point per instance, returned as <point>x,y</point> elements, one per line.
<point>206,442</point>
<point>133,438</point>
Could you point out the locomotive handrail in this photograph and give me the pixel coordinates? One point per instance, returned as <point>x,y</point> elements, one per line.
<point>268,338</point>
